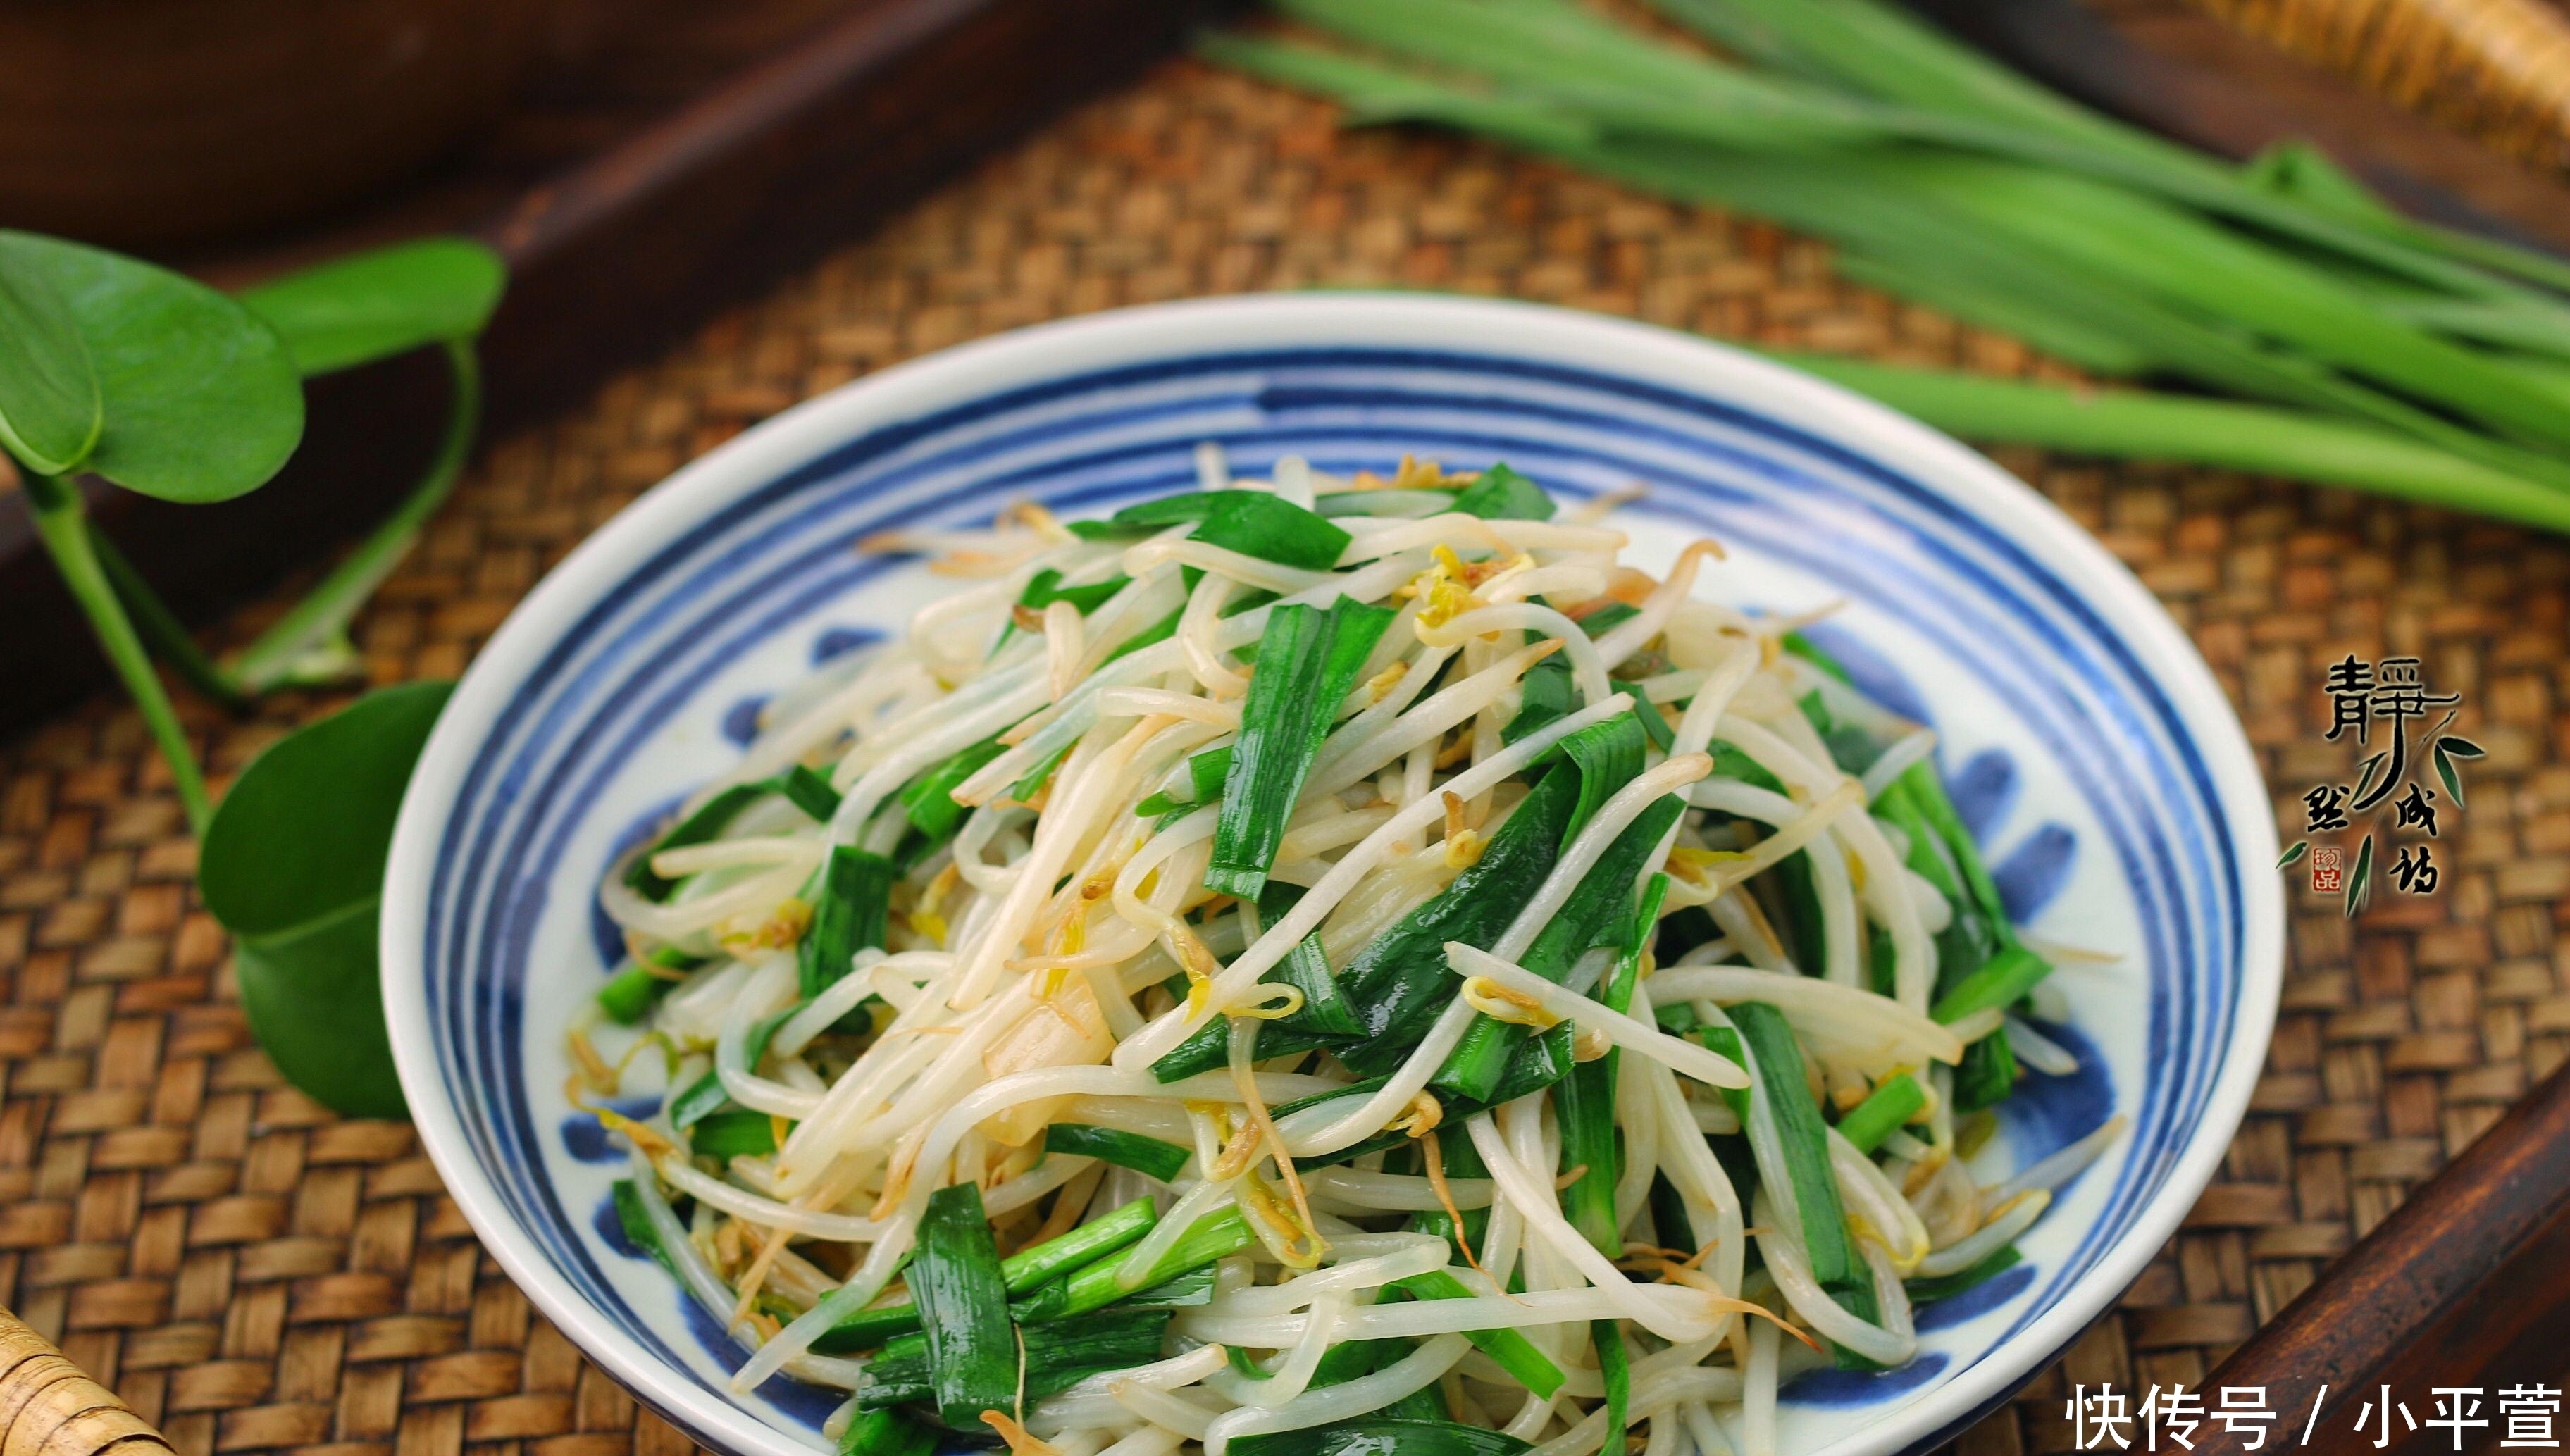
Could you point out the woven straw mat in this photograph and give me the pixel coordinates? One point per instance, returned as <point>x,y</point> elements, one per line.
<point>254,1273</point>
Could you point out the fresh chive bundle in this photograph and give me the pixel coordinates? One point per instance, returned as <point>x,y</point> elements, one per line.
<point>2377,352</point>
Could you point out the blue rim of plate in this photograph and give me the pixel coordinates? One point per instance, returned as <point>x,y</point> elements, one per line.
<point>761,549</point>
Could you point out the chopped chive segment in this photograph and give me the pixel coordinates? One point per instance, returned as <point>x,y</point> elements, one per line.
<point>1999,982</point>
<point>1654,727</point>
<point>1399,984</point>
<point>1782,1083</point>
<point>963,1302</point>
<point>738,1132</point>
<point>1545,693</point>
<point>1609,754</point>
<point>710,819</point>
<point>1093,1285</point>
<point>636,1224</point>
<point>1026,1269</point>
<point>1415,502</point>
<point>1606,618</point>
<point>629,995</point>
<point>1893,1102</point>
<point>887,1432</point>
<point>1501,493</point>
<point>1144,1155</point>
<point>1094,1240</point>
<point>1207,772</point>
<point>1166,511</point>
<point>1804,1143</point>
<point>1214,1236</point>
<point>1057,1356</point>
<point>1615,1366</point>
<point>1255,524</point>
<point>1307,663</point>
<point>1516,1353</point>
<point>1596,914</point>
<point>1024,790</point>
<point>1586,1098</point>
<point>1325,1011</point>
<point>809,792</point>
<point>853,906</point>
<point>1945,1286</point>
<point>929,800</point>
<point>700,1099</point>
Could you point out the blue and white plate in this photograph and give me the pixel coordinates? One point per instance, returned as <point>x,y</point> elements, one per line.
<point>2104,772</point>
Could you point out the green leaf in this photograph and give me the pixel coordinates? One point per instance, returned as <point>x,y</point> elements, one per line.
<point>294,867</point>
<point>49,401</point>
<point>373,305</point>
<point>2461,747</point>
<point>2445,774</point>
<point>2294,856</point>
<point>198,401</point>
<point>2366,775</point>
<point>2360,885</point>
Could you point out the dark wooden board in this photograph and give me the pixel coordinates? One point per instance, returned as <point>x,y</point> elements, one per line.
<point>2172,68</point>
<point>689,200</point>
<point>2466,1285</point>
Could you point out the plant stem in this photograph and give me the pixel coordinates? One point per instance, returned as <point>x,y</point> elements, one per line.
<point>278,655</point>
<point>161,628</point>
<point>62,522</point>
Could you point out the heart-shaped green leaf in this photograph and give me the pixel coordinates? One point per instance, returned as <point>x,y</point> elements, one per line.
<point>199,399</point>
<point>49,406</point>
<point>294,867</point>
<point>373,305</point>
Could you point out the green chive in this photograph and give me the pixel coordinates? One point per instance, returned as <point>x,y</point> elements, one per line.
<point>1516,1353</point>
<point>1501,493</point>
<point>1894,1101</point>
<point>1095,1286</point>
<point>886,1432</point>
<point>1024,1271</point>
<point>708,821</point>
<point>929,800</point>
<point>1945,1286</point>
<point>1804,1143</point>
<point>1144,1155</point>
<point>852,905</point>
<point>964,1304</point>
<point>1615,1366</point>
<point>735,1133</point>
<point>636,1224</point>
<point>1308,661</point>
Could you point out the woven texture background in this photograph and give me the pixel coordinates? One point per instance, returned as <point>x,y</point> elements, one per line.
<point>255,1274</point>
<point>2498,70</point>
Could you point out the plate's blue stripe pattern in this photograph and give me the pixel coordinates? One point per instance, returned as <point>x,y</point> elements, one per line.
<point>779,555</point>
